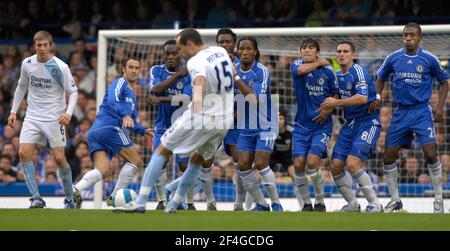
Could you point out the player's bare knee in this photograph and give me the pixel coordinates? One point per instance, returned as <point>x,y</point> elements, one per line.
<point>261,164</point>
<point>312,164</point>
<point>163,151</point>
<point>336,168</point>
<point>25,154</point>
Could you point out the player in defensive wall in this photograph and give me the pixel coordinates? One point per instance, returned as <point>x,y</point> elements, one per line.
<point>413,72</point>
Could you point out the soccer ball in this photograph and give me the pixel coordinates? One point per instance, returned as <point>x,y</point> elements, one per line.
<point>123,196</point>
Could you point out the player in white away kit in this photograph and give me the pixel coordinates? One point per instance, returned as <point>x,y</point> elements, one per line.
<point>47,80</point>
<point>201,128</point>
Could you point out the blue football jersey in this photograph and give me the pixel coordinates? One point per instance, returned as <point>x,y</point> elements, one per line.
<point>164,111</point>
<point>119,101</point>
<point>258,77</point>
<point>413,75</point>
<point>357,81</point>
<point>310,91</point>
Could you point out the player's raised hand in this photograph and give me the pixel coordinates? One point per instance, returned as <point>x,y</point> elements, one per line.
<point>127,122</point>
<point>323,116</point>
<point>438,115</point>
<point>64,119</point>
<point>374,106</point>
<point>12,119</point>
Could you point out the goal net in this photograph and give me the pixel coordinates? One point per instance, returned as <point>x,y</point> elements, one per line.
<point>279,48</point>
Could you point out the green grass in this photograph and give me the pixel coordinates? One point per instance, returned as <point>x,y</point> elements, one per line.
<point>54,219</point>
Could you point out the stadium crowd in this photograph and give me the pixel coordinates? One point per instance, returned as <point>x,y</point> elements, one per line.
<point>82,18</point>
<point>17,23</point>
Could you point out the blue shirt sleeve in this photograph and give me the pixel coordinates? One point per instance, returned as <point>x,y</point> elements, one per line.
<point>116,98</point>
<point>262,81</point>
<point>385,69</point>
<point>437,71</point>
<point>294,67</point>
<point>360,80</point>
<point>155,77</point>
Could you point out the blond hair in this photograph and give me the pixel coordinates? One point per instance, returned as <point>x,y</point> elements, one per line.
<point>43,35</point>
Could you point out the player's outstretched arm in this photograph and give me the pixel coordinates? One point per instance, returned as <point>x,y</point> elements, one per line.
<point>377,102</point>
<point>439,109</point>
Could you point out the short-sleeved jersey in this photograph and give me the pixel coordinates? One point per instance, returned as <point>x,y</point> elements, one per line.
<point>119,102</point>
<point>47,84</point>
<point>258,77</point>
<point>310,91</point>
<point>164,111</point>
<point>413,75</point>
<point>215,65</point>
<point>357,81</point>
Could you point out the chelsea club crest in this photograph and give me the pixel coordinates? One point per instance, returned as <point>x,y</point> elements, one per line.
<point>349,86</point>
<point>419,68</point>
<point>321,81</point>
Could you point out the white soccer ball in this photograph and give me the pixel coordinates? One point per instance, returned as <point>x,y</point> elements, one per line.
<point>123,196</point>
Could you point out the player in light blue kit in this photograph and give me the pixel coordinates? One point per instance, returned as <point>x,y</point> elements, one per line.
<point>359,134</point>
<point>201,128</point>
<point>413,71</point>
<point>169,85</point>
<point>314,81</point>
<point>109,133</point>
<point>47,80</point>
<point>258,134</point>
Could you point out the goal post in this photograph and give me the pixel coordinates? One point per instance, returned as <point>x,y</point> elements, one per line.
<point>277,45</point>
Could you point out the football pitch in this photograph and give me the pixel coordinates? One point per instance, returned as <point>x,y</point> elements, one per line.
<point>57,219</point>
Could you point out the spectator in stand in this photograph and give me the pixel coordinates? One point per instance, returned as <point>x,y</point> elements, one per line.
<point>51,178</point>
<point>11,152</point>
<point>80,47</point>
<point>85,81</point>
<point>13,51</point>
<point>76,59</point>
<point>10,171</point>
<point>281,159</point>
<point>412,172</point>
<point>445,162</point>
<point>75,155</point>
